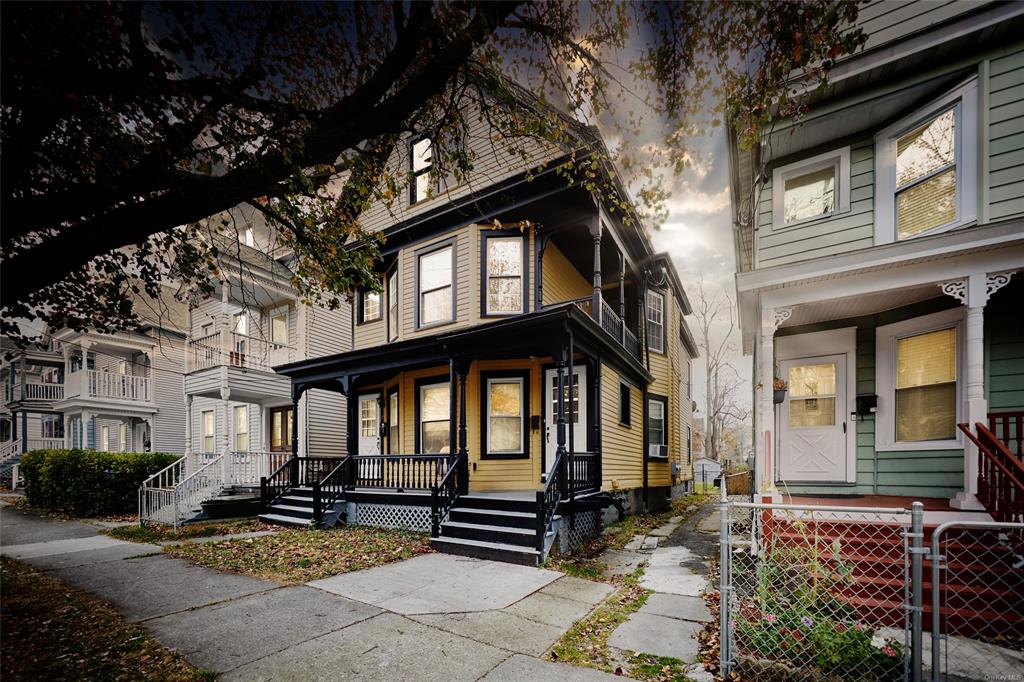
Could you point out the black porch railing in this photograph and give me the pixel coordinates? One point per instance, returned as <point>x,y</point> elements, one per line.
<point>277,483</point>
<point>554,491</point>
<point>611,323</point>
<point>584,473</point>
<point>329,489</point>
<point>444,494</point>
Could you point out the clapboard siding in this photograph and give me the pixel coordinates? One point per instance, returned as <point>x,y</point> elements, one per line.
<point>168,389</point>
<point>325,417</point>
<point>853,229</point>
<point>622,447</point>
<point>665,368</point>
<point>885,21</point>
<point>1004,342</point>
<point>561,281</point>
<point>1006,136</point>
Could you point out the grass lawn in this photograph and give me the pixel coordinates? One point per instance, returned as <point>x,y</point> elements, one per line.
<point>296,556</point>
<point>55,632</point>
<point>158,533</point>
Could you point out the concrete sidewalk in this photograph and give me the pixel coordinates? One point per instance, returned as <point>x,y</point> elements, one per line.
<point>433,617</point>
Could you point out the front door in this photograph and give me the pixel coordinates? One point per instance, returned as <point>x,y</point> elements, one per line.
<point>579,413</point>
<point>281,424</point>
<point>369,435</point>
<point>812,433</point>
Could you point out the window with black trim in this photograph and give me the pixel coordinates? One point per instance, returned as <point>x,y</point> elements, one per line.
<point>689,444</point>
<point>503,275</point>
<point>656,321</point>
<point>625,418</point>
<point>394,423</point>
<point>435,281</point>
<point>369,306</point>
<point>392,294</point>
<point>421,162</point>
<point>434,418</point>
<point>504,410</point>
<point>657,427</point>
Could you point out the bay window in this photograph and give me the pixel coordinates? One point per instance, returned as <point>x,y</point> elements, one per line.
<point>435,286</point>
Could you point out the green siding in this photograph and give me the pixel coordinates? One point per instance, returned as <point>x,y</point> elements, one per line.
<point>914,473</point>
<point>1004,349</point>
<point>1006,136</point>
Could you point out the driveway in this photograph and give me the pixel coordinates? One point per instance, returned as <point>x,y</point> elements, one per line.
<point>433,617</point>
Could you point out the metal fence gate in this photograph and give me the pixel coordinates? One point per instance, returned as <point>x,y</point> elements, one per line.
<point>853,593</point>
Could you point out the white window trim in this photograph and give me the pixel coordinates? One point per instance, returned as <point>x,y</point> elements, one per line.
<point>964,98</point>
<point>838,158</point>
<point>885,378</point>
<point>522,444</point>
<point>105,438</point>
<point>202,431</point>
<point>661,296</point>
<point>235,411</point>
<point>287,323</point>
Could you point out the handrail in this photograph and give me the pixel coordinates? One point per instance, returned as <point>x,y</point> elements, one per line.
<point>1009,428</point>
<point>1000,475</point>
<point>275,484</point>
<point>334,488</point>
<point>448,487</point>
<point>548,499</point>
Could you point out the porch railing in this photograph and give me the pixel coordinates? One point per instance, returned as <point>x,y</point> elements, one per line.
<point>116,386</point>
<point>400,472</point>
<point>246,468</point>
<point>444,494</point>
<point>583,472</point>
<point>555,489</point>
<point>611,323</point>
<point>174,494</point>
<point>329,489</point>
<point>43,391</point>
<point>1000,476</point>
<point>1009,428</point>
<point>236,350</point>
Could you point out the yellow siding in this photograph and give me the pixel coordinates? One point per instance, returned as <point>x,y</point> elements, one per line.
<point>622,447</point>
<point>561,281</point>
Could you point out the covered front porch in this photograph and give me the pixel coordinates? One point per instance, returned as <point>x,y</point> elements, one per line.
<point>901,384</point>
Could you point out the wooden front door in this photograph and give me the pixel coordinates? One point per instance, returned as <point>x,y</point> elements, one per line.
<point>281,424</point>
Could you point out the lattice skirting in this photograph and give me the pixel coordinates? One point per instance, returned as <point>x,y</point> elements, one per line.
<point>587,527</point>
<point>389,516</point>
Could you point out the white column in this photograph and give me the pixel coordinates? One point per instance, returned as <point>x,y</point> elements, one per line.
<point>67,431</point>
<point>86,419</point>
<point>84,390</point>
<point>225,439</point>
<point>764,414</point>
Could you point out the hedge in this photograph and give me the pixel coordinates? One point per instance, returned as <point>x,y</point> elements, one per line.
<point>89,482</point>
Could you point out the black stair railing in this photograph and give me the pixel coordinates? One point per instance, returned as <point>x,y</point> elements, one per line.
<point>554,490</point>
<point>279,482</point>
<point>328,489</point>
<point>445,493</point>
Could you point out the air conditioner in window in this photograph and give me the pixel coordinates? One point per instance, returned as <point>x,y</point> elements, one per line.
<point>657,451</point>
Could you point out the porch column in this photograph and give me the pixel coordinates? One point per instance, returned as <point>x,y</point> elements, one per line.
<point>764,414</point>
<point>622,296</point>
<point>67,431</point>
<point>452,405</point>
<point>188,426</point>
<point>572,385</point>
<point>560,432</point>
<point>463,371</point>
<point>225,440</point>
<point>84,389</point>
<point>598,313</point>
<point>973,292</point>
<point>86,427</point>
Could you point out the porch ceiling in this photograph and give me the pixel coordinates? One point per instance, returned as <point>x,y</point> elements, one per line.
<point>857,306</point>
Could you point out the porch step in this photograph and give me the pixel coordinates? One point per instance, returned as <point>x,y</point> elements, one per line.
<point>494,503</point>
<point>289,510</point>
<point>504,535</point>
<point>279,520</point>
<point>491,517</point>
<point>495,551</point>
<point>296,501</point>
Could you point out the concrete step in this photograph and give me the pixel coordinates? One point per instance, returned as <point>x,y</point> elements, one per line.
<point>493,517</point>
<point>494,551</point>
<point>288,510</point>
<point>279,520</point>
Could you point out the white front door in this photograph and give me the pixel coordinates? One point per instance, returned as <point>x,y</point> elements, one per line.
<point>369,434</point>
<point>812,433</point>
<point>579,416</point>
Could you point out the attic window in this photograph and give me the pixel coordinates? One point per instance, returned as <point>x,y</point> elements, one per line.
<point>811,189</point>
<point>421,163</point>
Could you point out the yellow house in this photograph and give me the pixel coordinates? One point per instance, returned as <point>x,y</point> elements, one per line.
<point>523,367</point>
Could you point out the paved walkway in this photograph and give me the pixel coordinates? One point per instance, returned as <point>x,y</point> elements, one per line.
<point>433,617</point>
<point>678,561</point>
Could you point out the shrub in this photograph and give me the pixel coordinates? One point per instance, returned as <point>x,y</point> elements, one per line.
<point>88,482</point>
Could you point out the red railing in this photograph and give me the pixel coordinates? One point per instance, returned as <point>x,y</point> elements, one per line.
<point>1009,428</point>
<point>1000,476</point>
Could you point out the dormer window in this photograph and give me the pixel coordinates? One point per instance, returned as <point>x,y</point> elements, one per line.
<point>926,169</point>
<point>421,163</point>
<point>811,189</point>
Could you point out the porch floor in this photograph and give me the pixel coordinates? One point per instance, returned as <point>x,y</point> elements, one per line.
<point>889,501</point>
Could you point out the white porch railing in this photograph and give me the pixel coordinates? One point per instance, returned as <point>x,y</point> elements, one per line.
<point>116,386</point>
<point>43,391</point>
<point>246,468</point>
<point>236,350</point>
<point>172,495</point>
<point>10,450</point>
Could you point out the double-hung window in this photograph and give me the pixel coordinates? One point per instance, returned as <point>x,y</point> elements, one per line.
<point>503,285</point>
<point>105,439</point>
<point>625,411</point>
<point>394,423</point>
<point>122,437</point>
<point>435,282</point>
<point>421,164</point>
<point>434,418</point>
<point>279,326</point>
<point>657,427</point>
<point>656,321</point>
<point>392,293</point>
<point>925,168</point>
<point>811,189</point>
<point>505,415</point>
<point>208,431</point>
<point>371,306</point>
<point>241,428</point>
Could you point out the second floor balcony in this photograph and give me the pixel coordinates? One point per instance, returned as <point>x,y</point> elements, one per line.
<point>232,349</point>
<point>35,391</point>
<point>91,383</point>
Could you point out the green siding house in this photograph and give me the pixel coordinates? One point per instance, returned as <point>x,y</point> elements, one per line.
<point>880,248</point>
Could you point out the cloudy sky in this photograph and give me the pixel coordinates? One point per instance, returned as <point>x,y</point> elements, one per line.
<point>698,234</point>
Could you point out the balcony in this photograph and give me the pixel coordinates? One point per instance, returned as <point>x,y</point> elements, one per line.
<point>612,324</point>
<point>33,391</point>
<point>236,350</point>
<point>94,384</point>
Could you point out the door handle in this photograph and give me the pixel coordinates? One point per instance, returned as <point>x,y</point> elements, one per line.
<point>844,427</point>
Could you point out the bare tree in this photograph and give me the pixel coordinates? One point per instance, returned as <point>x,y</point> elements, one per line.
<point>716,323</point>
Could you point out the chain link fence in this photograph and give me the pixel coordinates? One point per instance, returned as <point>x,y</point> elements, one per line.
<point>850,593</point>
